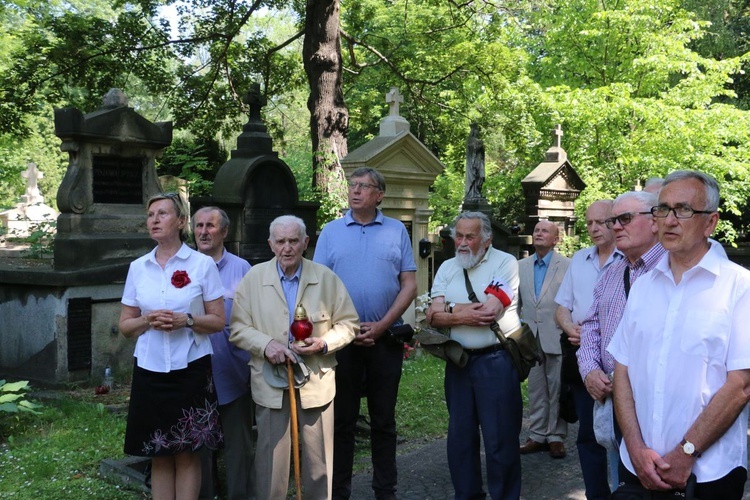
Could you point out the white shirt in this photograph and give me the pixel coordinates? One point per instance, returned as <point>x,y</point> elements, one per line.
<point>450,284</point>
<point>678,341</point>
<point>576,292</point>
<point>149,287</point>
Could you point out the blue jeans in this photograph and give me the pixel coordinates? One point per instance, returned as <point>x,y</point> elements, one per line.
<point>484,394</point>
<point>592,455</point>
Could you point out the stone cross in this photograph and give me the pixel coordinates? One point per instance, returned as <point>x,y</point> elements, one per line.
<point>255,100</point>
<point>394,98</point>
<point>557,134</point>
<point>32,175</point>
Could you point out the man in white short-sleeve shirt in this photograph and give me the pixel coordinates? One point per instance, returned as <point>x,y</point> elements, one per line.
<point>484,394</point>
<point>682,351</point>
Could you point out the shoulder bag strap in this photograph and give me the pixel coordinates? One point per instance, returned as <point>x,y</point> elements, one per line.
<point>473,297</point>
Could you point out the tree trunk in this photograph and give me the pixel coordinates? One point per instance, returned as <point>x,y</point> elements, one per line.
<point>329,118</point>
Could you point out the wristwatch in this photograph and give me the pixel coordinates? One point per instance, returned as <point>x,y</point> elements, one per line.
<point>190,321</point>
<point>451,306</point>
<point>689,448</point>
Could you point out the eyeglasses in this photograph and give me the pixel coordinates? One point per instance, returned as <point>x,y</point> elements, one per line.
<point>361,185</point>
<point>623,219</point>
<point>681,212</point>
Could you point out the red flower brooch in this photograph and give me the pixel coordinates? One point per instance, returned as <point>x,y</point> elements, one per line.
<point>180,279</point>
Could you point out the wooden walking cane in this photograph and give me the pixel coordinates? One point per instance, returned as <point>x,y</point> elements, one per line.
<point>295,427</point>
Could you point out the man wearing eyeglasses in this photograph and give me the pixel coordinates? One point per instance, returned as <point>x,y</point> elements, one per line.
<point>636,237</point>
<point>575,296</point>
<point>682,376</point>
<point>372,254</point>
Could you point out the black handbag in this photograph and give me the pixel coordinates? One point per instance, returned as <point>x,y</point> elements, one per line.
<point>522,345</point>
<point>401,334</point>
<point>632,491</point>
<point>569,373</point>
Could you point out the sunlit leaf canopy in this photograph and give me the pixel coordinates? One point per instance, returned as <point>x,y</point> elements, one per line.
<point>640,88</point>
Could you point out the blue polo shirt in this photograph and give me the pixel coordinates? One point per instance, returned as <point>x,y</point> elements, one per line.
<point>368,259</point>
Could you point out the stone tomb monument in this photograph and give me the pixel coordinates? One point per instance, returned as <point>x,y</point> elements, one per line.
<point>551,190</point>
<point>254,187</point>
<point>503,238</point>
<point>110,176</point>
<point>59,323</point>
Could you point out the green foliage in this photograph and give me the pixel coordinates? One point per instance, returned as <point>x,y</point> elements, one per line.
<point>641,88</point>
<point>635,100</point>
<point>57,454</point>
<point>12,398</point>
<point>41,238</point>
<point>333,199</point>
<point>454,65</point>
<point>40,146</point>
<point>196,161</point>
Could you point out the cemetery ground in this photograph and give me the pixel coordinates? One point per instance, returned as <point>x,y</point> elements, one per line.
<point>57,454</point>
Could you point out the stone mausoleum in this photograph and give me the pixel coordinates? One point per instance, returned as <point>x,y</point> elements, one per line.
<point>59,323</point>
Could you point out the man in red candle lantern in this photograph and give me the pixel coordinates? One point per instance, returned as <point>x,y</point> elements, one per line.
<point>264,307</point>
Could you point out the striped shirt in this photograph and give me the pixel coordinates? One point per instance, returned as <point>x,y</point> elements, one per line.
<point>606,311</point>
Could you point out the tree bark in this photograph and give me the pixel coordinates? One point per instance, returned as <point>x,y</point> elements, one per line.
<point>329,117</point>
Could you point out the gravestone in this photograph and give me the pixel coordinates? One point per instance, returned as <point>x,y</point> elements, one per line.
<point>254,187</point>
<point>31,212</point>
<point>503,238</point>
<point>109,178</point>
<point>475,172</point>
<point>59,322</point>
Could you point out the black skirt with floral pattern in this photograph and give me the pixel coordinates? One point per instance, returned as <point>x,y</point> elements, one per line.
<point>173,412</point>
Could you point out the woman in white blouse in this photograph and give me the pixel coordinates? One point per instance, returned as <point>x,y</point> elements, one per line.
<point>173,296</point>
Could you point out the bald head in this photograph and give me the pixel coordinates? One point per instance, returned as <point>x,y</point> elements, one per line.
<point>546,235</point>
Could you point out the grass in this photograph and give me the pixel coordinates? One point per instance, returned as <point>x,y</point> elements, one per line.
<point>57,454</point>
<point>421,413</point>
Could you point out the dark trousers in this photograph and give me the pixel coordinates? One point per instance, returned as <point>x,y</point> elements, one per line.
<point>592,455</point>
<point>239,452</point>
<point>486,395</point>
<point>374,372</point>
<point>729,487</point>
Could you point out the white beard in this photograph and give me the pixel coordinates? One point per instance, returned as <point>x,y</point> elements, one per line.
<point>471,259</point>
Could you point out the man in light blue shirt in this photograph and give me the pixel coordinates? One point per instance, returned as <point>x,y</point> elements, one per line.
<point>230,368</point>
<point>372,254</point>
<point>541,275</point>
<point>575,296</point>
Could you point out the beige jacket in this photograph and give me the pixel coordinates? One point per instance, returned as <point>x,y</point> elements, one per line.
<point>260,314</point>
<point>539,312</point>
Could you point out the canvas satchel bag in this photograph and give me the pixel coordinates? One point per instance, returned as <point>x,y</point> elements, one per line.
<point>522,345</point>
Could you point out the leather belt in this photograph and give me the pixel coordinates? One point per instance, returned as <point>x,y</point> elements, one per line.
<point>484,350</point>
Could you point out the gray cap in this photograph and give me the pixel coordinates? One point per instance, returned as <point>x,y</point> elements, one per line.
<point>276,375</point>
<point>442,346</point>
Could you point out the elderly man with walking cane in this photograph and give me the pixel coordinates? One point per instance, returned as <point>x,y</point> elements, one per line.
<point>264,308</point>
